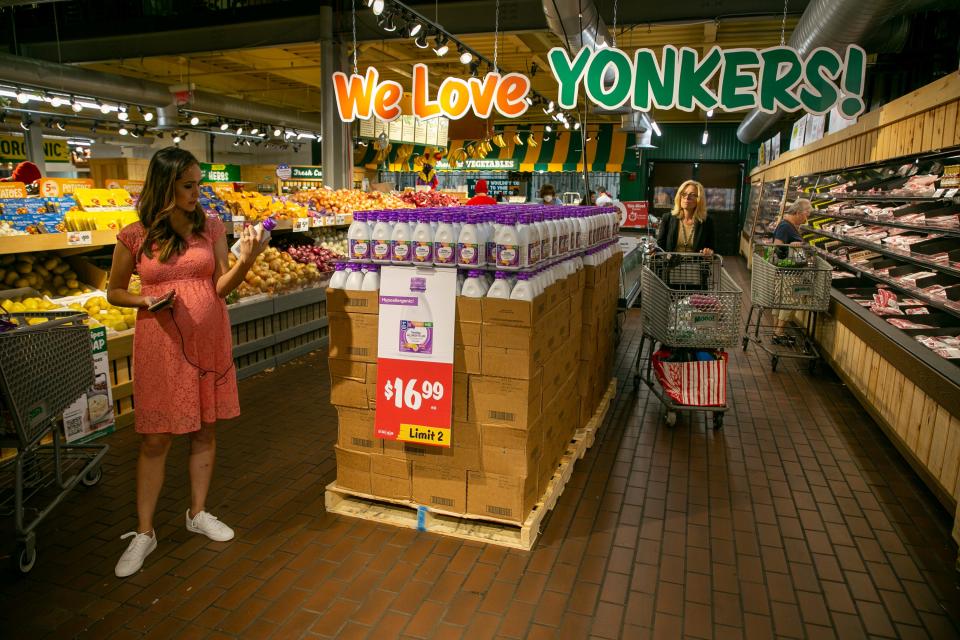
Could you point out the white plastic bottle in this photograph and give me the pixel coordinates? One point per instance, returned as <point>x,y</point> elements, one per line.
<point>445,242</point>
<point>530,238</point>
<point>472,286</point>
<point>434,218</point>
<point>470,247</point>
<point>508,249</point>
<point>380,239</point>
<point>416,323</point>
<point>501,286</point>
<point>355,279</point>
<point>358,238</point>
<point>400,241</point>
<point>423,240</point>
<point>371,280</point>
<point>339,278</point>
<point>546,244</point>
<point>266,225</point>
<point>523,289</point>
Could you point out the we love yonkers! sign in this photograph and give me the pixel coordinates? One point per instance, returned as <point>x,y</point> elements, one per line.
<point>731,80</point>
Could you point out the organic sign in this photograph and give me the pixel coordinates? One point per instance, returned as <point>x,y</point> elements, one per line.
<point>13,149</point>
<point>772,79</point>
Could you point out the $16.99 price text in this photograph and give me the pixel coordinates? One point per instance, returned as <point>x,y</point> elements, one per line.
<point>412,393</point>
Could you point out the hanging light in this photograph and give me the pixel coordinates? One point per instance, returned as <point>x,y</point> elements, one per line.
<point>239,130</point>
<point>465,56</point>
<point>706,136</point>
<point>277,132</point>
<point>376,5</point>
<point>122,131</point>
<point>576,126</point>
<point>548,128</point>
<point>177,139</point>
<point>442,47</point>
<point>194,121</point>
<point>123,116</point>
<point>224,126</point>
<point>56,101</point>
<point>23,97</point>
<point>710,113</point>
<point>421,41</point>
<point>147,115</point>
<point>254,131</point>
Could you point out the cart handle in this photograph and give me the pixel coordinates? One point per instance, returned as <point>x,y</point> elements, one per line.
<point>56,319</point>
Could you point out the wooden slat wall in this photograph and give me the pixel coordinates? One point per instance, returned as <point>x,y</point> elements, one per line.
<point>930,435</point>
<point>920,122</point>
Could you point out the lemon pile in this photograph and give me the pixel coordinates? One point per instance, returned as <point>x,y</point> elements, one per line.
<point>21,304</point>
<point>103,313</point>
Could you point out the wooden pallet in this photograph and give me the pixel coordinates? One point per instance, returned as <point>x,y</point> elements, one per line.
<point>404,513</point>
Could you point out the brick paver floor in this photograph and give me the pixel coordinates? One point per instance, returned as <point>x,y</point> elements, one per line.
<point>798,519</point>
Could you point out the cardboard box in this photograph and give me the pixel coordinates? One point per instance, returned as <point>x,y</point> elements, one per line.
<point>554,294</point>
<point>390,478</point>
<point>460,396</point>
<point>345,392</point>
<point>353,336</point>
<point>510,363</point>
<point>514,403</point>
<point>343,301</point>
<point>353,470</point>
<point>455,457</point>
<point>469,310</point>
<point>466,434</point>
<point>499,496</point>
<point>355,431</point>
<point>511,451</point>
<point>348,369</point>
<point>440,488</point>
<point>466,333</point>
<point>517,313</point>
<point>467,359</point>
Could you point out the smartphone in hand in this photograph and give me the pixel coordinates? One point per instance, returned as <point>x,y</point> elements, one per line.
<point>162,303</point>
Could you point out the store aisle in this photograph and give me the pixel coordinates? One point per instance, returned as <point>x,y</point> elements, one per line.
<point>798,519</point>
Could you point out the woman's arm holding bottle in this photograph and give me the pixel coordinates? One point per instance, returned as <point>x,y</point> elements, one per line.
<point>227,278</point>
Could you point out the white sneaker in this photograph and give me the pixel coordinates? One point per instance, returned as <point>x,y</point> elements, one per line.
<point>209,526</point>
<point>139,548</point>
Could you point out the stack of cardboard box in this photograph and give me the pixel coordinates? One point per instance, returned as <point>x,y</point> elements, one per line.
<point>527,375</point>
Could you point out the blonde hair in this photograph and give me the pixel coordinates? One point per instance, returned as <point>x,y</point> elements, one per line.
<point>701,212</point>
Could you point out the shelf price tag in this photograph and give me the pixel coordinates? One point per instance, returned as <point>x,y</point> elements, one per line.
<point>415,355</point>
<point>237,224</point>
<point>329,221</point>
<point>950,193</point>
<point>938,193</point>
<point>315,221</point>
<point>301,224</point>
<point>341,218</point>
<point>79,238</point>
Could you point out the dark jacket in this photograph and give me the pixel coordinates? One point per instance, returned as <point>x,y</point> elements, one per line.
<point>704,235</point>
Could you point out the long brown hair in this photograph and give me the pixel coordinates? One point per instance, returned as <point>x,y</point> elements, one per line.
<point>158,201</point>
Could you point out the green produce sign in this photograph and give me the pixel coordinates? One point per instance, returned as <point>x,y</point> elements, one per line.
<point>219,172</point>
<point>306,173</point>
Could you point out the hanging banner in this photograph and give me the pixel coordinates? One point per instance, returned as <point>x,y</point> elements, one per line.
<point>482,164</point>
<point>13,149</point>
<point>772,79</point>
<point>415,355</point>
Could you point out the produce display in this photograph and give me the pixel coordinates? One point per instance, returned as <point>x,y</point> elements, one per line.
<point>6,229</point>
<point>348,200</point>
<point>322,259</point>
<point>49,274</point>
<point>103,313</point>
<point>275,272</point>
<point>429,199</point>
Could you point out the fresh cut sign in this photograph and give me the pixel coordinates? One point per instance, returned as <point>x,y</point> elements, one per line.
<point>776,78</point>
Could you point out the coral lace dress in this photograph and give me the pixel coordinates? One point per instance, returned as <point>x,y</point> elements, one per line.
<point>182,355</point>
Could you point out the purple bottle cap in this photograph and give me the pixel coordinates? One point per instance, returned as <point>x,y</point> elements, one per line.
<point>500,275</point>
<point>373,267</point>
<point>340,266</point>
<point>523,276</point>
<point>475,273</point>
<point>269,224</point>
<point>356,267</point>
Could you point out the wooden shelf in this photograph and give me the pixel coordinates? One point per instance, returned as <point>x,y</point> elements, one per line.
<point>53,242</point>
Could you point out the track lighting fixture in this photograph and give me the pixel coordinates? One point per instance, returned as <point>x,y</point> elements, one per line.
<point>60,125</point>
<point>421,41</point>
<point>194,121</point>
<point>377,6</point>
<point>224,126</point>
<point>76,106</point>
<point>122,131</point>
<point>254,131</point>
<point>177,138</point>
<point>239,130</point>
<point>387,23</point>
<point>442,47</point>
<point>25,122</point>
<point>56,101</point>
<point>277,132</point>
<point>413,29</point>
<point>465,56</point>
<point>147,115</point>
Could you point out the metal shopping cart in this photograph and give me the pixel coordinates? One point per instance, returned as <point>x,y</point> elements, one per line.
<point>43,369</point>
<point>688,301</point>
<point>798,282</point>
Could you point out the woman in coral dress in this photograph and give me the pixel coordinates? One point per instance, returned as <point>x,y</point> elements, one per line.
<point>184,379</point>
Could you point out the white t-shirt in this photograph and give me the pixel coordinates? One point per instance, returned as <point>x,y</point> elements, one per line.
<point>604,199</point>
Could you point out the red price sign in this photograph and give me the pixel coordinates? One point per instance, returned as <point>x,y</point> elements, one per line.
<point>414,403</point>
<point>637,214</point>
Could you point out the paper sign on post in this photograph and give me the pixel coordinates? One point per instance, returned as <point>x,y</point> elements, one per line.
<point>415,355</point>
<point>637,214</point>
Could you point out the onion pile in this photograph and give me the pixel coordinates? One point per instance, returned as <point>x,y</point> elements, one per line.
<point>429,199</point>
<point>322,259</point>
<point>348,200</point>
<point>276,272</point>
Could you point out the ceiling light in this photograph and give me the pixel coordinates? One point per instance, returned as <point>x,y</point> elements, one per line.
<point>76,106</point>
<point>576,126</point>
<point>566,124</point>
<point>123,115</point>
<point>25,122</point>
<point>236,142</point>
<point>224,126</point>
<point>22,97</point>
<point>421,41</point>
<point>194,121</point>
<point>377,6</point>
<point>290,134</point>
<point>177,139</point>
<point>710,113</point>
<point>441,50</point>
<point>239,130</point>
<point>589,138</point>
<point>104,108</point>
<point>546,138</point>
<point>705,137</point>
<point>134,133</point>
<point>548,128</point>
<point>277,132</point>
<point>254,131</point>
<point>61,125</point>
<point>465,57</point>
<point>529,101</point>
<point>56,101</point>
<point>123,131</point>
<point>414,29</point>
<point>387,23</point>
<point>148,116</point>
<point>549,108</point>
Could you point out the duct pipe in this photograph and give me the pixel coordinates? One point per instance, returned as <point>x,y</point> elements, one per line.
<point>96,84</point>
<point>578,24</point>
<point>833,24</point>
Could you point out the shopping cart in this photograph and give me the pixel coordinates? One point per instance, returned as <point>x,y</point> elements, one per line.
<point>688,301</point>
<point>43,369</point>
<point>799,282</point>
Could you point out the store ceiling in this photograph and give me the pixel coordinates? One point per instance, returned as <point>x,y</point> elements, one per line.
<point>288,76</point>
